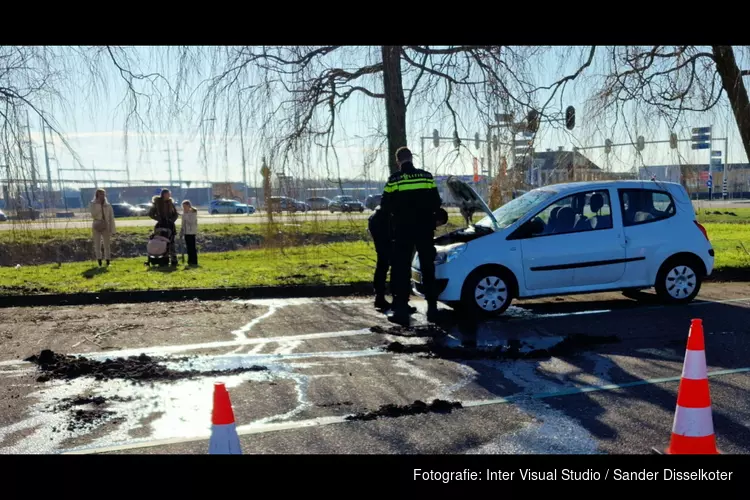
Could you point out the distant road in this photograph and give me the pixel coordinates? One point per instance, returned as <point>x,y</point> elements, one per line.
<point>203,218</point>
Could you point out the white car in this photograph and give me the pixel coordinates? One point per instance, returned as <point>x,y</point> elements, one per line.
<point>569,238</point>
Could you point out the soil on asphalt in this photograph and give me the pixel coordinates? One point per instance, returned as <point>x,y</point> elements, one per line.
<point>134,368</point>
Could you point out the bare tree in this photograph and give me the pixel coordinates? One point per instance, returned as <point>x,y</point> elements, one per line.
<point>673,80</point>
<point>300,91</point>
<point>42,81</point>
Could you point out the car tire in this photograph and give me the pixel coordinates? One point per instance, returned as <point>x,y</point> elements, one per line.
<point>679,280</point>
<point>474,298</point>
<point>240,211</point>
<point>214,212</point>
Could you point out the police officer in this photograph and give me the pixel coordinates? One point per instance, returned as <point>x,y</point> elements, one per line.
<point>412,200</point>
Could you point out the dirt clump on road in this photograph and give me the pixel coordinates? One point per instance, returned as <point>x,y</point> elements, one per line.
<point>410,331</point>
<point>134,368</point>
<point>416,408</point>
<point>568,346</point>
<point>85,419</point>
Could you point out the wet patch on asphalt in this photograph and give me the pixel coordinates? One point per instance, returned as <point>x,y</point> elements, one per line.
<point>514,350</point>
<point>416,408</point>
<point>134,368</point>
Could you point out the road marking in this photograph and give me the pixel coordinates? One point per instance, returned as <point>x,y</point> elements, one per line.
<point>587,389</point>
<point>300,424</point>
<point>176,349</point>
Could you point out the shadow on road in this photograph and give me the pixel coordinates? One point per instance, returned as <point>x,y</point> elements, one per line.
<point>652,339</point>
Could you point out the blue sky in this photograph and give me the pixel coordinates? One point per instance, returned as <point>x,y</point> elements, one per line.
<point>95,129</point>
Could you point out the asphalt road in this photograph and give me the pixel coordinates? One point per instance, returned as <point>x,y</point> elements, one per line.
<point>325,363</point>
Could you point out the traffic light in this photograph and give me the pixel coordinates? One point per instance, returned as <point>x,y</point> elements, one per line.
<point>435,138</point>
<point>640,143</point>
<point>570,117</point>
<point>456,140</point>
<point>608,146</point>
<point>476,140</point>
<point>532,121</point>
<point>673,140</point>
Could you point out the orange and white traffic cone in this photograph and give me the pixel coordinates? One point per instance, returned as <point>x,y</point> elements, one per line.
<point>693,427</point>
<point>224,438</point>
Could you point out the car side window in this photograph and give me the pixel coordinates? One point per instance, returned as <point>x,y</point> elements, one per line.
<point>585,211</point>
<point>641,206</point>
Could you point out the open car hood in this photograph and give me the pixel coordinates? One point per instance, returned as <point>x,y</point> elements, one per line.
<point>467,199</point>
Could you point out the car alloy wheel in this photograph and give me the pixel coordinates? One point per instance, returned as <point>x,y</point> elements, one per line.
<point>681,282</point>
<point>491,293</point>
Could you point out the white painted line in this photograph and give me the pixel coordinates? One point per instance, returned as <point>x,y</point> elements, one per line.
<point>177,349</point>
<point>583,390</point>
<point>264,428</point>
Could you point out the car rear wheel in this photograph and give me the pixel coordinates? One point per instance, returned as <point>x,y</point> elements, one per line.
<point>679,280</point>
<point>240,211</point>
<point>214,212</point>
<point>487,292</point>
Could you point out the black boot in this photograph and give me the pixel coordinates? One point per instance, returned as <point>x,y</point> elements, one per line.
<point>100,262</point>
<point>401,315</point>
<point>107,262</point>
<point>381,303</point>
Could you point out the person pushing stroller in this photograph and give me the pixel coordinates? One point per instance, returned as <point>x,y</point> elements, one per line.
<point>165,214</point>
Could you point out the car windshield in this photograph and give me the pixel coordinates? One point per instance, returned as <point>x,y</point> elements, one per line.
<point>517,208</point>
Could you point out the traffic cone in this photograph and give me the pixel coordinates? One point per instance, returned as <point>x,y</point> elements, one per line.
<point>693,427</point>
<point>224,438</point>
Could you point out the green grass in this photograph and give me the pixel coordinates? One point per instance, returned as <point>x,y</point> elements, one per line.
<point>332,264</point>
<point>728,240</point>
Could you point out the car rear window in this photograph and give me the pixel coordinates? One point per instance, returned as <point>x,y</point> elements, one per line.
<point>641,206</point>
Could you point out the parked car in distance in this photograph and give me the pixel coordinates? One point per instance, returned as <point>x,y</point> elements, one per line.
<point>145,206</point>
<point>281,204</point>
<point>373,201</point>
<point>3,217</point>
<point>126,210</point>
<point>318,203</point>
<point>565,239</point>
<point>342,203</point>
<point>229,207</point>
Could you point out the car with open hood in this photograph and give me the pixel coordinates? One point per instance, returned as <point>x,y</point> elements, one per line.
<point>573,238</point>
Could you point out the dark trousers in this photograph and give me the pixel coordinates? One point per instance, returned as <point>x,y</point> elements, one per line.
<point>192,251</point>
<point>383,250</point>
<point>403,253</point>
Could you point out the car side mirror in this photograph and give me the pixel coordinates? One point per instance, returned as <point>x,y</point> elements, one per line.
<point>528,229</point>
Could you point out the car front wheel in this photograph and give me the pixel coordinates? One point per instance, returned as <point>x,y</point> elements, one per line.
<point>214,212</point>
<point>487,292</point>
<point>678,281</point>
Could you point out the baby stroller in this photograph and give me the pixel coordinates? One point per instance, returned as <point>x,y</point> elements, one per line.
<point>158,247</point>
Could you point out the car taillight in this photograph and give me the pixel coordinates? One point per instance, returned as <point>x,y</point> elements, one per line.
<point>703,229</point>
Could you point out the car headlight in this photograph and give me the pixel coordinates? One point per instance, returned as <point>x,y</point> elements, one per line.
<point>449,254</point>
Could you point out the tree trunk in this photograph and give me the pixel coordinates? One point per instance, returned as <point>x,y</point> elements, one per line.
<point>731,80</point>
<point>395,103</point>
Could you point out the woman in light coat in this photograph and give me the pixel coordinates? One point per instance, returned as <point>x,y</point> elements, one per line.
<point>188,231</point>
<point>103,225</point>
